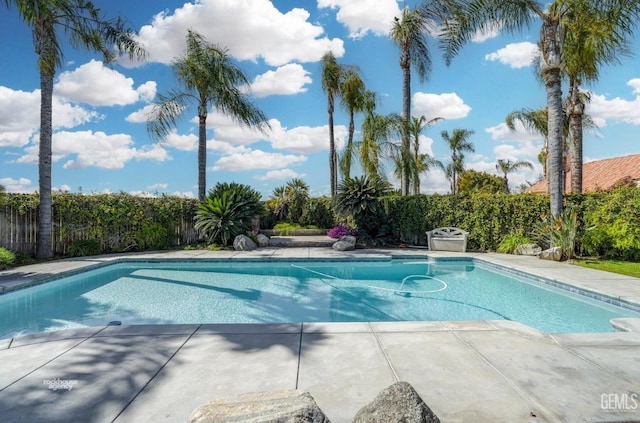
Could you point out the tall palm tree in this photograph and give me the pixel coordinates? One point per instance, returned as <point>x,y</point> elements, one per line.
<point>458,143</point>
<point>352,99</point>
<point>85,28</point>
<point>409,33</point>
<point>332,73</point>
<point>374,133</point>
<point>536,121</point>
<point>591,42</point>
<point>421,162</point>
<point>506,167</point>
<point>297,194</point>
<point>461,19</point>
<point>209,79</point>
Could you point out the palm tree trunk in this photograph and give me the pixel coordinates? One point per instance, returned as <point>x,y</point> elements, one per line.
<point>332,151</point>
<point>349,149</point>
<point>45,228</point>
<point>576,113</point>
<point>406,114</point>
<point>550,68</point>
<point>202,156</point>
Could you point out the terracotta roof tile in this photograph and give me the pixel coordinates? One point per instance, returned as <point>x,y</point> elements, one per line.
<point>600,174</point>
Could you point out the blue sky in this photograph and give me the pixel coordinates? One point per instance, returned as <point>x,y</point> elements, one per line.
<point>100,141</point>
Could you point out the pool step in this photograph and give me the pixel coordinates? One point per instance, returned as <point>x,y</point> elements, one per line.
<point>301,241</point>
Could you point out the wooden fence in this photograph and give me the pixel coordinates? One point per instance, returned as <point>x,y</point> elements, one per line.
<point>19,229</point>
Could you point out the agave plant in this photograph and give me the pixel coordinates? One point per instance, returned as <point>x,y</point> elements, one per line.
<point>227,211</point>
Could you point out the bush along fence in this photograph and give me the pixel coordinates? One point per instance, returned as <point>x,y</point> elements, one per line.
<point>99,223</point>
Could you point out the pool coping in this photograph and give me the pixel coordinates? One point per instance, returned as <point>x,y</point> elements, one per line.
<point>506,370</point>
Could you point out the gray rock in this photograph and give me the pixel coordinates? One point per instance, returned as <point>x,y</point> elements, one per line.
<point>527,250</point>
<point>346,243</point>
<point>263,240</point>
<point>554,253</point>
<point>243,243</point>
<point>290,406</point>
<point>399,403</point>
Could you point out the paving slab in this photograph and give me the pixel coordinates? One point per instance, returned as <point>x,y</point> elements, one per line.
<point>342,371</point>
<point>91,383</point>
<point>215,366</point>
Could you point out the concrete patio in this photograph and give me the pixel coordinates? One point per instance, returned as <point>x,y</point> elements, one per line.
<point>480,371</point>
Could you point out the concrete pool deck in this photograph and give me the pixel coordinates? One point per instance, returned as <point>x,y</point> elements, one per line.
<point>477,371</point>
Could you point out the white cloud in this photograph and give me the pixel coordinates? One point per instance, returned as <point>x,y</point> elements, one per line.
<point>18,122</point>
<point>491,30</point>
<point>250,29</point>
<point>187,142</point>
<point>89,149</point>
<point>617,109</point>
<point>17,185</point>
<point>306,139</point>
<point>286,80</point>
<point>446,105</point>
<point>501,132</point>
<point>280,175</point>
<point>186,194</point>
<point>95,84</point>
<point>140,116</point>
<point>63,188</point>
<point>256,159</point>
<point>516,55</point>
<point>363,16</point>
<point>157,186</point>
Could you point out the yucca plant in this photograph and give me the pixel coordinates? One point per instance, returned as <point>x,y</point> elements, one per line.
<point>227,211</point>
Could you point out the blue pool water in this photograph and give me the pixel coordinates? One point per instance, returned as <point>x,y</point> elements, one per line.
<point>309,291</point>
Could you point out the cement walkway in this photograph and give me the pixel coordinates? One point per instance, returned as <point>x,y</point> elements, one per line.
<point>480,371</point>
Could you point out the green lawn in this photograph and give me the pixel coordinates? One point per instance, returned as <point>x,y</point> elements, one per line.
<point>623,267</point>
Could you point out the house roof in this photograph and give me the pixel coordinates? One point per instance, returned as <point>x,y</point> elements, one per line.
<point>600,175</point>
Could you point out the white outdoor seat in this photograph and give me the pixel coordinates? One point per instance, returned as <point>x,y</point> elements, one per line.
<point>447,239</point>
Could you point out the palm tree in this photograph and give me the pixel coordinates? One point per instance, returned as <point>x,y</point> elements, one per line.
<point>409,33</point>
<point>506,167</point>
<point>297,194</point>
<point>421,162</point>
<point>278,202</point>
<point>534,121</point>
<point>374,137</point>
<point>208,78</point>
<point>332,74</point>
<point>458,143</point>
<point>591,42</point>
<point>352,99</point>
<point>82,22</point>
<point>461,19</point>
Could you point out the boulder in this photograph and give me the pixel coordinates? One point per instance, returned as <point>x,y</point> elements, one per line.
<point>554,253</point>
<point>263,240</point>
<point>290,406</point>
<point>243,243</point>
<point>345,243</point>
<point>399,403</point>
<point>527,250</point>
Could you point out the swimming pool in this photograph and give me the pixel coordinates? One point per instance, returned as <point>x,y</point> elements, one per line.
<point>299,291</point>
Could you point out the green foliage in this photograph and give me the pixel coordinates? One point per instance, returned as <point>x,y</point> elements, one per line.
<point>613,222</point>
<point>228,211</point>
<point>151,236</point>
<point>7,258</point>
<point>318,212</point>
<point>85,247</point>
<point>511,241</point>
<point>474,182</point>
<point>288,202</point>
<point>360,198</point>
<point>559,231</point>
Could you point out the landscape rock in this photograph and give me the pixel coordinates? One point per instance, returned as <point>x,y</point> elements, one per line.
<point>243,243</point>
<point>527,250</point>
<point>554,253</point>
<point>289,406</point>
<point>345,243</point>
<point>263,240</point>
<point>399,403</point>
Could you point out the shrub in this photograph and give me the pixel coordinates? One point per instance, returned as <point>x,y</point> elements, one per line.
<point>227,211</point>
<point>340,231</point>
<point>85,247</point>
<point>318,212</point>
<point>7,258</point>
<point>559,231</point>
<point>151,236</point>
<point>511,241</point>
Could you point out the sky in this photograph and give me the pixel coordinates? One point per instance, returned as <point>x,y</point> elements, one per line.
<point>100,142</point>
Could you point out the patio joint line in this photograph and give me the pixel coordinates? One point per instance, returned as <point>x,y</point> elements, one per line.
<point>299,355</point>
<point>156,373</point>
<point>53,359</point>
<point>384,353</point>
<point>539,408</point>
